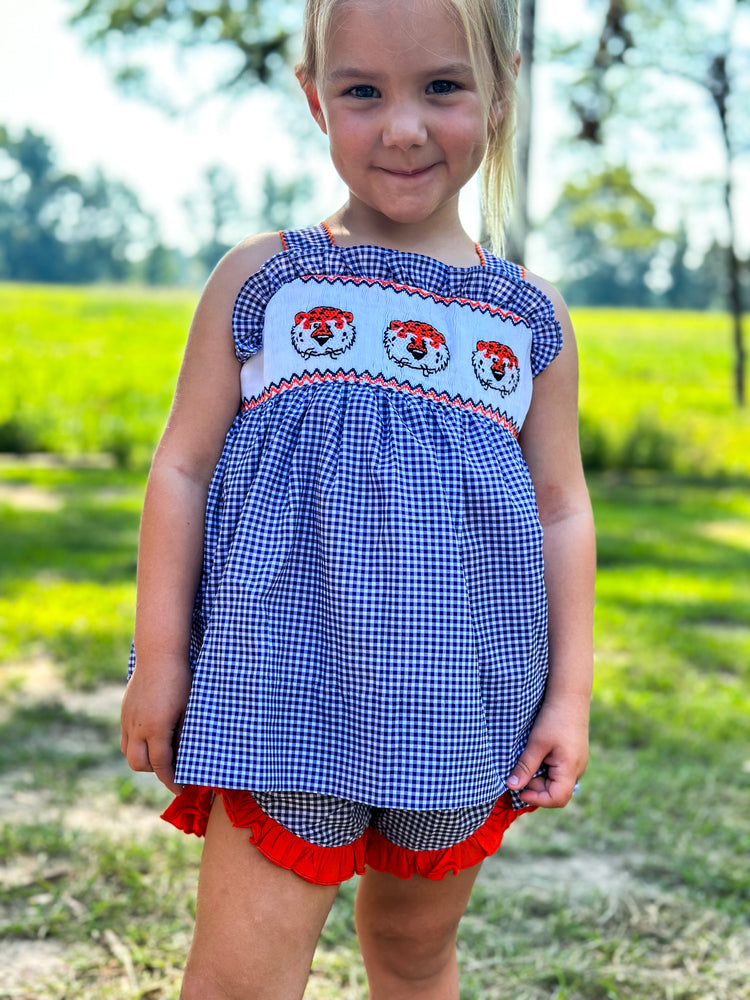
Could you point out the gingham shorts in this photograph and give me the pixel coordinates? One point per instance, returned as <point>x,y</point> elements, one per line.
<point>326,840</point>
<point>332,822</point>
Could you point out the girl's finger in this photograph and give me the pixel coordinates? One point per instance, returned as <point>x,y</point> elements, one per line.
<point>549,794</point>
<point>526,767</point>
<point>136,754</point>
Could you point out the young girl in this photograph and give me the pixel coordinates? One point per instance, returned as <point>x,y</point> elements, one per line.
<point>365,628</point>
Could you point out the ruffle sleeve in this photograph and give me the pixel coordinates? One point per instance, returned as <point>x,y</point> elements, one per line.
<point>546,334</point>
<point>505,285</point>
<point>248,315</point>
<point>250,305</point>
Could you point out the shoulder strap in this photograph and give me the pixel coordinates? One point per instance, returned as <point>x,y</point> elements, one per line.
<point>312,236</point>
<point>506,268</point>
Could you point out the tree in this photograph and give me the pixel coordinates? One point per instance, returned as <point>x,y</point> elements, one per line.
<point>694,283</point>
<point>643,44</point>
<point>56,227</point>
<point>519,224</point>
<point>256,39</point>
<point>163,265</point>
<point>282,199</point>
<point>216,215</point>
<point>611,241</point>
<point>256,35</point>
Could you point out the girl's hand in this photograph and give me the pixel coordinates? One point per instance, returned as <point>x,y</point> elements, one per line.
<point>559,741</point>
<point>153,710</point>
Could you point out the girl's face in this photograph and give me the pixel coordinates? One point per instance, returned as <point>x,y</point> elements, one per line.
<point>400,104</point>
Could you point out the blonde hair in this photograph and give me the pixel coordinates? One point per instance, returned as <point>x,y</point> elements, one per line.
<point>491,28</point>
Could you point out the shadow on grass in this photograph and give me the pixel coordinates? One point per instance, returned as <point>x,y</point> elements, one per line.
<point>67,576</point>
<point>673,525</point>
<point>77,524</point>
<point>46,735</point>
<point>673,633</point>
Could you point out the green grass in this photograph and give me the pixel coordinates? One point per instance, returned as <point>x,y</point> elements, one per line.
<point>67,575</point>
<point>657,392</point>
<point>88,370</point>
<point>639,889</point>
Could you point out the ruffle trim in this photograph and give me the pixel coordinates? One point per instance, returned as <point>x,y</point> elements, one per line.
<point>384,856</point>
<point>320,865</point>
<point>309,252</point>
<point>190,810</point>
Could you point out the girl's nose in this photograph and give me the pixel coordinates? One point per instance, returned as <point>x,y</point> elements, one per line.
<point>404,127</point>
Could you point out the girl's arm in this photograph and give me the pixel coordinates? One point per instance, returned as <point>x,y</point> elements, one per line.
<point>170,552</point>
<point>549,440</point>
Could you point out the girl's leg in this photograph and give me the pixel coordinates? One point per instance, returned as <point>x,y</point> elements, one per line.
<point>407,933</point>
<point>256,924</point>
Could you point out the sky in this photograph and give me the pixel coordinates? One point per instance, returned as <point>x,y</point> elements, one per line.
<point>51,82</point>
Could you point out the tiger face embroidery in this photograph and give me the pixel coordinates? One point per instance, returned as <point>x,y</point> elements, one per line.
<point>496,367</point>
<point>323,330</point>
<point>416,345</point>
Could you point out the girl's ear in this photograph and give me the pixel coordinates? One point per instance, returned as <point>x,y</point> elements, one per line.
<point>313,103</point>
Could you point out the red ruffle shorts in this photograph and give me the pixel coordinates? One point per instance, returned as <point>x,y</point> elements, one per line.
<point>331,865</point>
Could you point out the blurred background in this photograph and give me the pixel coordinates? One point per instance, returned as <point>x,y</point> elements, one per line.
<point>140,139</point>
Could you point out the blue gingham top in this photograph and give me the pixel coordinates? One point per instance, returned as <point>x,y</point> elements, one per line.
<point>371,621</point>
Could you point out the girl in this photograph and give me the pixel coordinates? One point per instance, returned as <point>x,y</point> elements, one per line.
<point>366,629</point>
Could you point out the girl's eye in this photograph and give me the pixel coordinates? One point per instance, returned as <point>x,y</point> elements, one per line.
<point>363,91</point>
<point>442,87</point>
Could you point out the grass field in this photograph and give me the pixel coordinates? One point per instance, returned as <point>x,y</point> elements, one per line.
<point>640,890</point>
<point>88,371</point>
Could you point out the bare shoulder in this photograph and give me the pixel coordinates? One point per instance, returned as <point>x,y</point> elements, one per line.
<point>251,254</point>
<point>211,329</point>
<point>242,261</point>
<point>213,315</point>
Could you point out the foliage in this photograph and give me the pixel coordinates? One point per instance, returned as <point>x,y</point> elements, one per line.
<point>212,211</point>
<point>640,46</point>
<point>704,55</point>
<point>217,212</point>
<point>282,199</point>
<point>255,36</point>
<point>616,254</point>
<point>696,286</point>
<point>54,226</point>
<point>61,229</point>
<point>611,240</point>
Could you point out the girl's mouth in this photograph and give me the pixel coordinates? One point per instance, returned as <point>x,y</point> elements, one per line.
<point>417,172</point>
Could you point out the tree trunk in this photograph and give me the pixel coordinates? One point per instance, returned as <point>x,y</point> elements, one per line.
<point>719,86</point>
<point>518,229</point>
<point>735,304</point>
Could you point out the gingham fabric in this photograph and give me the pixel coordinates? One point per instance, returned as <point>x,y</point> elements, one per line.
<point>371,622</point>
<point>332,822</point>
